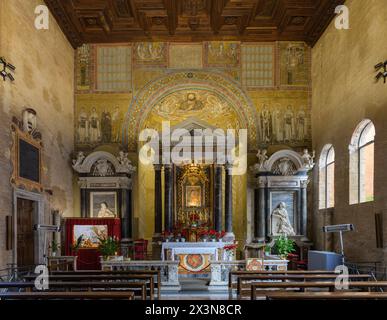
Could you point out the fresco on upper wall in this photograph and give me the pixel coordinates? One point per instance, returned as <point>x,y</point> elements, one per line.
<point>83,68</point>
<point>284,117</point>
<point>294,64</point>
<point>202,105</point>
<point>99,119</point>
<point>222,53</point>
<point>150,53</point>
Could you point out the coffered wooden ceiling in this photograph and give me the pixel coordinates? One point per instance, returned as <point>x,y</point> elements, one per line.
<point>101,21</point>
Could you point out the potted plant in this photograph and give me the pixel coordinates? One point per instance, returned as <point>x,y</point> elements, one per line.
<point>220,235</point>
<point>284,246</point>
<point>108,247</point>
<point>77,245</point>
<point>203,235</point>
<point>54,247</point>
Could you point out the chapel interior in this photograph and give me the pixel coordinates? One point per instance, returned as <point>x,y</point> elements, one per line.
<point>195,148</point>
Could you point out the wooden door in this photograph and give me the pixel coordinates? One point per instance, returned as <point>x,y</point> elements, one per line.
<point>25,232</point>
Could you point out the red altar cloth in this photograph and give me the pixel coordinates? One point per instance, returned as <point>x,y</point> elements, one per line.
<point>88,259</point>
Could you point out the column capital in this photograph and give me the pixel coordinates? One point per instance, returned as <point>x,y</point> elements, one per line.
<point>304,183</point>
<point>157,167</point>
<point>228,168</point>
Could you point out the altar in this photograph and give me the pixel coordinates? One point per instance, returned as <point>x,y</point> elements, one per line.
<point>196,257</point>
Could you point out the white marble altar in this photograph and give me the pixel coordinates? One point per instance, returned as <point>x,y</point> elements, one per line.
<point>169,250</point>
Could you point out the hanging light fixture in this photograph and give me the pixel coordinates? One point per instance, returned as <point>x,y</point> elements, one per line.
<point>7,70</point>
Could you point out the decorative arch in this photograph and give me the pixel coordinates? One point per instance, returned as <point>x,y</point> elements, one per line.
<point>156,90</point>
<point>293,156</point>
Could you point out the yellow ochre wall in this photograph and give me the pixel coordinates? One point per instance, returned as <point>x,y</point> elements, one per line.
<point>170,58</point>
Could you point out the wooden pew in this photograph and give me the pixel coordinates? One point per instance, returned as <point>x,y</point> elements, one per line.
<point>263,272</point>
<point>326,296</point>
<point>66,295</point>
<point>156,273</point>
<point>284,277</point>
<point>99,278</point>
<point>82,286</point>
<point>263,286</point>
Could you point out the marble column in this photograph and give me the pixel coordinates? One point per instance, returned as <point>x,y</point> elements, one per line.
<point>84,199</point>
<point>228,204</point>
<point>126,211</point>
<point>259,212</point>
<point>304,209</point>
<point>168,198</point>
<point>158,202</point>
<point>218,198</point>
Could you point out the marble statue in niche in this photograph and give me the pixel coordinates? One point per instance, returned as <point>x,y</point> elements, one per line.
<point>105,212</point>
<point>280,222</point>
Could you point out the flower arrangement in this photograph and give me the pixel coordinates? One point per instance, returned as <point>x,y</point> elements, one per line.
<point>220,235</point>
<point>230,250</point>
<point>213,234</point>
<point>108,246</point>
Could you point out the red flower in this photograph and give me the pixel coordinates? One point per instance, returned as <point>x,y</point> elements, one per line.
<point>230,247</point>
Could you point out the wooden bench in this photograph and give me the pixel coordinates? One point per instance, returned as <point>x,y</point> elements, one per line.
<point>66,295</point>
<point>264,272</point>
<point>286,277</point>
<point>135,287</point>
<point>263,286</point>
<point>148,278</point>
<point>155,273</point>
<point>326,296</point>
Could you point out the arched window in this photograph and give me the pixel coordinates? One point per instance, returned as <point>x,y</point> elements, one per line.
<point>327,177</point>
<point>361,166</point>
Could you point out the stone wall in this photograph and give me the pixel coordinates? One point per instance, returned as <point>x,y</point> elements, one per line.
<point>344,92</point>
<point>45,82</point>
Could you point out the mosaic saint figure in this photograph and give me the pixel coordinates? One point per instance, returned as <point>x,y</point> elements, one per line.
<point>265,123</point>
<point>83,123</point>
<point>301,126</point>
<point>106,127</point>
<point>288,124</point>
<point>117,121</point>
<point>94,126</point>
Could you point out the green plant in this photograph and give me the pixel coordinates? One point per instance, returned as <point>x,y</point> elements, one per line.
<point>108,246</point>
<point>54,246</point>
<point>284,246</point>
<point>75,246</point>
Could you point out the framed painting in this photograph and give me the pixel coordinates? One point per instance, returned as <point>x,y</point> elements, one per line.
<point>103,204</point>
<point>90,235</point>
<point>193,196</point>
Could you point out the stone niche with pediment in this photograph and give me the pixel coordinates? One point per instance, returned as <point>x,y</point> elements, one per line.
<point>105,181</point>
<point>280,195</point>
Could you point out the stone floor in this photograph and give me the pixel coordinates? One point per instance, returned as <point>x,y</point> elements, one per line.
<point>195,289</point>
